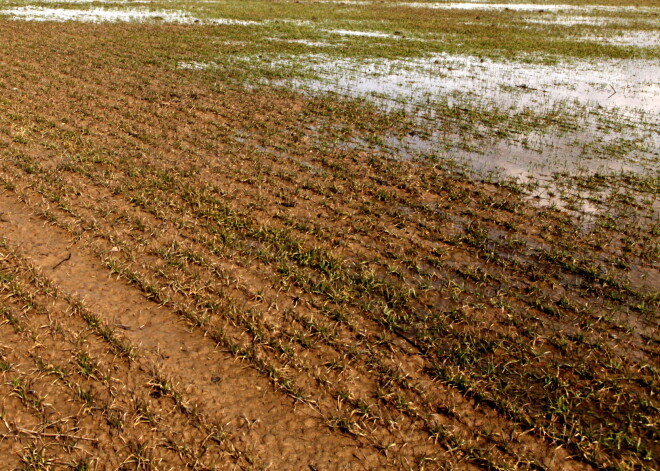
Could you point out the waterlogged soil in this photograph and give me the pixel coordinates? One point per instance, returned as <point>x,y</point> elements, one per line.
<point>195,273</point>
<point>511,119</point>
<point>504,115</point>
<point>111,15</point>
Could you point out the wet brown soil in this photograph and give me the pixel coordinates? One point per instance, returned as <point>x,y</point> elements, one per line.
<point>192,274</point>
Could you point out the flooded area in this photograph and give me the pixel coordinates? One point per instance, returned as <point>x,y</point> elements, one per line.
<point>527,117</point>
<point>628,88</point>
<point>98,15</point>
<point>485,5</point>
<point>588,20</point>
<point>542,7</point>
<point>553,118</point>
<point>196,65</point>
<point>366,34</point>
<point>627,38</point>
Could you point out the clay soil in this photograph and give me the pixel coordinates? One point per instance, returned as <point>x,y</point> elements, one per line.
<point>195,274</point>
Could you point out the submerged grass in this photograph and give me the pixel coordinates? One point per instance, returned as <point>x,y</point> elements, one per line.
<point>443,61</point>
<point>405,31</point>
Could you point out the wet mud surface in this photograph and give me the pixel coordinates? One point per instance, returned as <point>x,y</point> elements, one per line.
<point>197,272</point>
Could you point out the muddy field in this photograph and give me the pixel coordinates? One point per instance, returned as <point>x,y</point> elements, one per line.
<point>329,235</point>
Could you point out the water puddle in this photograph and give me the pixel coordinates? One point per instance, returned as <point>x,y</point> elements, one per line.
<point>538,157</point>
<point>129,15</point>
<point>630,87</point>
<point>541,7</point>
<point>195,65</point>
<point>304,42</point>
<point>627,38</point>
<point>576,20</point>
<point>115,15</point>
<point>85,2</point>
<point>503,119</point>
<point>366,34</point>
<point>97,15</point>
<point>540,172</point>
<point>483,5</point>
<point>486,6</point>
